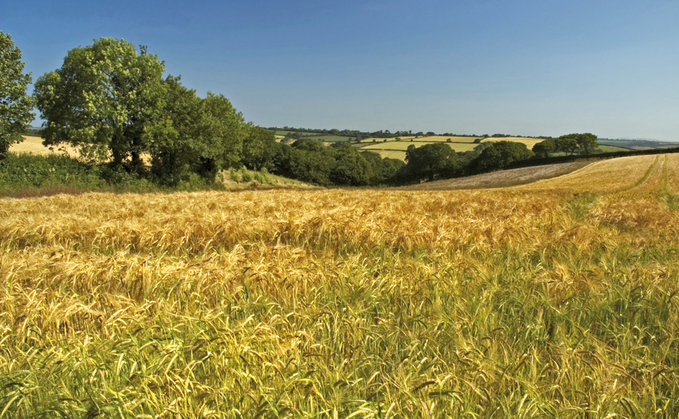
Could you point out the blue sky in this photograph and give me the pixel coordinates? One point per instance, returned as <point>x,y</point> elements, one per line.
<point>533,67</point>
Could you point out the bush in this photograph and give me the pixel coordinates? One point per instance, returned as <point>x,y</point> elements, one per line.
<point>246,176</point>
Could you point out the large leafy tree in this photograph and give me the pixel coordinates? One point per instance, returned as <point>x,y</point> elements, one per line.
<point>432,161</point>
<point>222,130</point>
<point>102,99</point>
<point>258,148</point>
<point>174,140</point>
<point>195,135</point>
<point>499,155</point>
<point>543,148</point>
<point>581,143</point>
<point>351,167</point>
<point>15,105</point>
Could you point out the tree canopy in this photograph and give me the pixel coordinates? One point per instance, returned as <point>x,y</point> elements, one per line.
<point>15,104</point>
<point>543,148</point>
<point>499,155</point>
<point>570,143</point>
<point>110,100</point>
<point>102,99</point>
<point>432,161</point>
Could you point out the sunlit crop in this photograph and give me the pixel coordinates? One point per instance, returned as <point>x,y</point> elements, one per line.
<point>558,299</point>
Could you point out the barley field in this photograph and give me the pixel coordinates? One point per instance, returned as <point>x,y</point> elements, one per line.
<point>554,299</point>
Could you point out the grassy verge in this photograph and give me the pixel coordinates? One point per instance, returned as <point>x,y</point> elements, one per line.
<point>28,175</point>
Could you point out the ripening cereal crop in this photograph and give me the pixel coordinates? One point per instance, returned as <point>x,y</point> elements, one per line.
<point>556,299</point>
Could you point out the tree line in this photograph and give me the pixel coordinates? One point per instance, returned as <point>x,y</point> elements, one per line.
<point>113,102</point>
<point>439,161</point>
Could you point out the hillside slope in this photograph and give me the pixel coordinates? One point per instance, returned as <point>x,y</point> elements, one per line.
<point>501,178</point>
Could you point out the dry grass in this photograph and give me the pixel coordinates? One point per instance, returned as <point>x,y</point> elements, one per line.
<point>519,302</point>
<point>391,154</point>
<point>33,145</point>
<point>602,176</point>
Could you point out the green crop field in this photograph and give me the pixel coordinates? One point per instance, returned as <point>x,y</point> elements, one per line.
<point>554,299</point>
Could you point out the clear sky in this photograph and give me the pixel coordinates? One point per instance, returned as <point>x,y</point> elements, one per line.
<point>525,67</point>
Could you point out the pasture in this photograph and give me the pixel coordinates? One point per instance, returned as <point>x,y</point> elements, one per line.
<point>397,149</point>
<point>553,299</point>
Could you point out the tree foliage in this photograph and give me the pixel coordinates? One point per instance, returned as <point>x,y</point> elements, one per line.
<point>582,144</point>
<point>499,155</point>
<point>432,161</point>
<point>102,99</point>
<point>174,140</point>
<point>259,146</point>
<point>544,148</point>
<point>311,161</point>
<point>15,105</point>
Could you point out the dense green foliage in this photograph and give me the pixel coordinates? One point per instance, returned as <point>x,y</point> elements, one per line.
<point>15,104</point>
<point>582,144</point>
<point>499,155</point>
<point>111,101</point>
<point>27,174</point>
<point>432,161</point>
<point>102,99</point>
<point>312,161</point>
